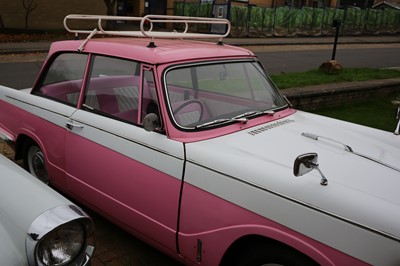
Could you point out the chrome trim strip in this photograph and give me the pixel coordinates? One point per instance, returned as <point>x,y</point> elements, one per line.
<point>6,138</point>
<point>349,149</point>
<point>130,139</point>
<point>109,132</point>
<point>397,129</point>
<point>304,204</point>
<point>40,107</point>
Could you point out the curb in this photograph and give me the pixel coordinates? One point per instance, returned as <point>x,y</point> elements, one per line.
<point>24,48</point>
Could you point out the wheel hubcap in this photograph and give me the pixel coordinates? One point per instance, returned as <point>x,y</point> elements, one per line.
<point>37,166</point>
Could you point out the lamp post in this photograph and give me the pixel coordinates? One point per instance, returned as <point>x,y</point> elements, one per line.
<point>332,66</point>
<point>336,24</point>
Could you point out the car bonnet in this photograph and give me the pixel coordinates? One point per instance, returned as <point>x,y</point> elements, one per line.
<point>263,157</point>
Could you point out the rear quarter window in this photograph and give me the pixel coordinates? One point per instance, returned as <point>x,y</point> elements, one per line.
<point>63,79</point>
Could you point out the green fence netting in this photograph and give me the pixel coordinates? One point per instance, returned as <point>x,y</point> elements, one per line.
<point>287,21</point>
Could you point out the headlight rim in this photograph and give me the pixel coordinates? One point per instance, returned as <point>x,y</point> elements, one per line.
<point>40,248</point>
<point>54,219</point>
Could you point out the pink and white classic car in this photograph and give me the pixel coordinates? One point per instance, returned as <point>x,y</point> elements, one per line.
<point>189,146</point>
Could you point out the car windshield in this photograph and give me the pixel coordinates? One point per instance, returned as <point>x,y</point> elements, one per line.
<point>213,94</point>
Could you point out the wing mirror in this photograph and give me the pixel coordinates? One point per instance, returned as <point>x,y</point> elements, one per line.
<point>306,163</point>
<point>151,122</point>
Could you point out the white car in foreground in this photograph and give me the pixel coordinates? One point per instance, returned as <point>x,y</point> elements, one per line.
<point>38,226</point>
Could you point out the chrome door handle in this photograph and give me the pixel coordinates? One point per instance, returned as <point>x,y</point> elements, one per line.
<point>70,125</point>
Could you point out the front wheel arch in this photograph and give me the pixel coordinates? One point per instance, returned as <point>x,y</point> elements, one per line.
<point>256,248</point>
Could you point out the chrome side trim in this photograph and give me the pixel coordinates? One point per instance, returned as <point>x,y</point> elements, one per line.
<point>6,138</point>
<point>349,149</point>
<point>83,123</point>
<point>95,126</point>
<point>52,219</point>
<point>397,130</point>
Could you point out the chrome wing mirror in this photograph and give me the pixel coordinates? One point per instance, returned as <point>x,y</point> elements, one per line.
<point>151,122</point>
<point>306,163</point>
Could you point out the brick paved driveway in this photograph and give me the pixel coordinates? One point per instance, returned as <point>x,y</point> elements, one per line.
<point>115,247</point>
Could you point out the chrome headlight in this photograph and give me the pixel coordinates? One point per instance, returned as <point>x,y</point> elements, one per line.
<point>60,236</point>
<point>62,245</point>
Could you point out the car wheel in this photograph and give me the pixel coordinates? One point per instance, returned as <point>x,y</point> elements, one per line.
<point>34,162</point>
<point>272,254</point>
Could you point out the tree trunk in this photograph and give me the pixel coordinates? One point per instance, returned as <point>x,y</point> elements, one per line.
<point>110,4</point>
<point>29,6</point>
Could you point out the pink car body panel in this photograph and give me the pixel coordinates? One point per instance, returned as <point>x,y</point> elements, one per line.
<point>165,52</point>
<point>119,187</point>
<point>45,134</point>
<point>233,223</point>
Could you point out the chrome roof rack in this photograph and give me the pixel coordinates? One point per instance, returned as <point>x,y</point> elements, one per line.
<point>146,28</point>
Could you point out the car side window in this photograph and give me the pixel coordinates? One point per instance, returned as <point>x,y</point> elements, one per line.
<point>113,88</point>
<point>63,79</point>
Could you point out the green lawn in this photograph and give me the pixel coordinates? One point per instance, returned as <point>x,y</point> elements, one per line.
<point>377,113</point>
<point>315,77</point>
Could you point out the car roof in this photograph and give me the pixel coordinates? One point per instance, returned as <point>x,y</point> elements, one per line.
<point>165,50</point>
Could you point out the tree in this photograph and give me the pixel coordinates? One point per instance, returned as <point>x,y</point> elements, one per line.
<point>29,6</point>
<point>110,12</point>
<point>110,7</point>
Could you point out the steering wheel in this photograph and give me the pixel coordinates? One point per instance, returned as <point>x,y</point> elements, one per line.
<point>189,102</point>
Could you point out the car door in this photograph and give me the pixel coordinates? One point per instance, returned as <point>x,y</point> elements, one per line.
<point>128,174</point>
<point>58,91</point>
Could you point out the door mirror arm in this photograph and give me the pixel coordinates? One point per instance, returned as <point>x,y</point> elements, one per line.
<point>306,163</point>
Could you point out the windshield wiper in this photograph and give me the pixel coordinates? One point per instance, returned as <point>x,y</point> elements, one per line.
<point>254,113</point>
<point>239,118</point>
<point>250,113</point>
<point>222,121</point>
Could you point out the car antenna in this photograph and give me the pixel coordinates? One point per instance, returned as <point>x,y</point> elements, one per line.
<point>152,44</point>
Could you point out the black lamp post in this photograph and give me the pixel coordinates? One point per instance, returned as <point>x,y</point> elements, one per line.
<point>336,24</point>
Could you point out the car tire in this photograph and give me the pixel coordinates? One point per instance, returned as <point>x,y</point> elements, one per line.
<point>272,254</point>
<point>35,162</point>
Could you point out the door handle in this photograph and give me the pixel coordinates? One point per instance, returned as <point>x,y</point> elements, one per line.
<point>71,125</point>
